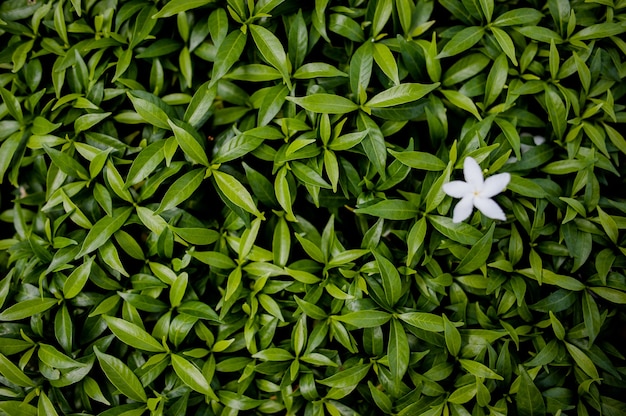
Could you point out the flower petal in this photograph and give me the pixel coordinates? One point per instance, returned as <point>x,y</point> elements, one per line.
<point>473,173</point>
<point>539,140</point>
<point>495,184</point>
<point>458,189</point>
<point>489,208</point>
<point>463,209</point>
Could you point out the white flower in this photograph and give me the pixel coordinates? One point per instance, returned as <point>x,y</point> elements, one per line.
<point>477,192</point>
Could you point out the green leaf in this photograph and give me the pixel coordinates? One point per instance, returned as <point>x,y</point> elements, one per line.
<point>325,103</point>
<point>18,408</point>
<point>272,51</point>
<point>608,225</point>
<point>228,53</point>
<point>116,182</point>
<point>13,373</point>
<point>557,326</point>
<point>146,162</point>
<point>462,101</point>
<point>121,376</point>
<point>463,394</point>
<point>390,209</point>
<point>598,31</point>
<point>45,406</point>
<point>400,94</point>
<point>505,42</point>
<point>199,310</point>
<point>460,232</point>
<point>191,147</point>
<point>274,354</point>
<point>423,320</point>
<point>452,337</point>
<point>398,352</point>
<point>479,253</point>
<point>495,81</point>
<point>346,27</point>
<point>364,318</point>
<point>386,62</point>
<point>374,143</point>
<point>66,163</point>
<point>27,308</point>
<point>392,285</point>
<point>150,112</point>
<point>7,151</point>
<point>519,16</point>
<point>526,187</point>
<point>77,279</point>
<point>361,65</point>
<point>583,361</point>
<point>261,186</point>
<point>528,399</point>
<point>133,335</point>
<point>102,231</point>
<point>87,121</point>
<point>308,175</point>
<point>192,376</point>
<point>349,377</point>
<point>235,192</point>
<point>479,370</point>
<point>465,68</point>
<point>317,70</point>
<point>198,110</point>
<point>56,359</point>
<point>214,259</point>
<point>13,105</point>
<point>182,189</point>
<point>610,294</point>
<point>177,6</point>
<point>462,41</point>
<point>381,399</point>
<point>540,33</point>
<point>419,160</point>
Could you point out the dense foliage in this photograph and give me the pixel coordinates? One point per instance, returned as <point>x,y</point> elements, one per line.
<point>223,207</point>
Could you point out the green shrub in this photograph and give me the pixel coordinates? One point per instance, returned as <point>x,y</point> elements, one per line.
<point>223,207</point>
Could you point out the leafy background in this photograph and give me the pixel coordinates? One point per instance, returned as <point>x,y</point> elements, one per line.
<point>223,207</point>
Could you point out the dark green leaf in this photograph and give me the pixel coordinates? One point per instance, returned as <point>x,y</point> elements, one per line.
<point>121,376</point>
<point>390,209</point>
<point>529,399</point>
